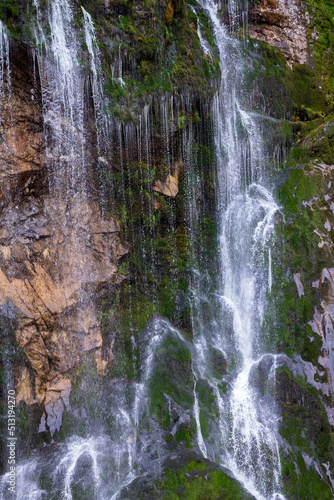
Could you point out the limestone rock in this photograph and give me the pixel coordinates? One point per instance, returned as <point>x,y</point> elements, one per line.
<point>299,284</point>
<point>170,186</point>
<point>282,24</point>
<point>323,322</point>
<point>58,252</point>
<point>56,400</point>
<point>24,391</point>
<point>30,339</point>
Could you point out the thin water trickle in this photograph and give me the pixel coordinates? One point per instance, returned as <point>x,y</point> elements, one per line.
<point>204,44</point>
<point>4,60</point>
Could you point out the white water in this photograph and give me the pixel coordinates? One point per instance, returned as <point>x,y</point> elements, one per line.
<point>5,85</point>
<point>62,92</point>
<point>96,80</point>
<point>204,44</point>
<point>247,442</point>
<point>4,60</point>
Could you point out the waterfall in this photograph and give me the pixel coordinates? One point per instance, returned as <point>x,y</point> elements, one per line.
<point>63,113</point>
<point>227,314</point>
<point>247,436</point>
<point>4,60</point>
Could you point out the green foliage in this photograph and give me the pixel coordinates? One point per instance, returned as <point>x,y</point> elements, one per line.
<point>305,212</point>
<point>307,97</point>
<point>306,430</point>
<point>196,481</point>
<point>8,9</point>
<point>171,378</point>
<point>144,33</point>
<point>204,424</point>
<point>302,481</point>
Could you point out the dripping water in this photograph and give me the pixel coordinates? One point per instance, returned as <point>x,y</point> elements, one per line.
<point>246,439</point>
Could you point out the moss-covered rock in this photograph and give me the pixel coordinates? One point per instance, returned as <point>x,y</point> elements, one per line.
<point>172,379</point>
<point>189,476</point>
<point>308,451</point>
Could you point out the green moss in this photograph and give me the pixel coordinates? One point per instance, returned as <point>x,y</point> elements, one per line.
<point>171,378</point>
<point>9,13</point>
<point>204,424</point>
<point>321,13</point>
<point>307,97</point>
<point>305,425</point>
<point>303,482</point>
<point>8,9</point>
<point>185,434</point>
<point>303,251</point>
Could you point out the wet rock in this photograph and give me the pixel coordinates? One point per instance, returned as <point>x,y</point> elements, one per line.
<point>82,484</point>
<point>181,315</point>
<point>21,125</point>
<point>58,252</point>
<point>24,389</point>
<point>56,400</point>
<point>219,362</point>
<point>171,376</point>
<point>283,25</point>
<point>168,187</point>
<point>262,374</point>
<point>299,284</point>
<point>176,465</point>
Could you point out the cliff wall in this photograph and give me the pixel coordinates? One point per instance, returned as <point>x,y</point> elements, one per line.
<point>82,275</point>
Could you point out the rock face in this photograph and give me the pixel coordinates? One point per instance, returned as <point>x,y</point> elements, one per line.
<point>323,323</point>
<point>170,186</point>
<point>282,24</point>
<point>56,252</point>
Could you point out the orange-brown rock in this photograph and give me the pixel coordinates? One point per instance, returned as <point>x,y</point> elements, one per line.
<point>170,185</point>
<point>282,24</point>
<point>57,251</point>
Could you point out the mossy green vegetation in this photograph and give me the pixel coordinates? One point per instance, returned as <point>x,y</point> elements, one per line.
<point>9,13</point>
<point>309,437</point>
<point>302,481</point>
<point>156,227</point>
<point>307,249</point>
<point>8,9</point>
<point>159,48</point>
<point>171,378</point>
<point>267,72</point>
<point>197,481</point>
<point>321,27</point>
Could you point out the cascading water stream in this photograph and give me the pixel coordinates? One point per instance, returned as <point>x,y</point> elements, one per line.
<point>248,442</point>
<point>246,428</point>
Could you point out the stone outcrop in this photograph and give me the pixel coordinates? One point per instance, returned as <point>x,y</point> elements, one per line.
<point>282,24</point>
<point>57,251</point>
<point>21,126</point>
<point>170,185</point>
